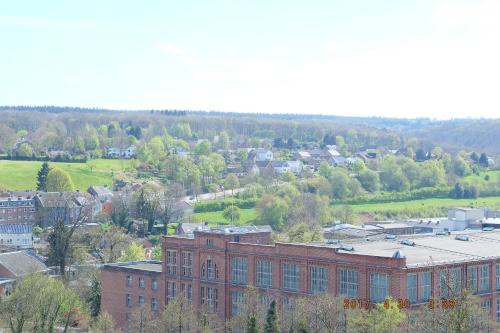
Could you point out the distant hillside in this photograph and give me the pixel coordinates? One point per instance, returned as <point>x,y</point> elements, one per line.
<point>481,135</point>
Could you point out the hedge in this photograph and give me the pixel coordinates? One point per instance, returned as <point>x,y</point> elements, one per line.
<point>218,205</point>
<point>423,193</point>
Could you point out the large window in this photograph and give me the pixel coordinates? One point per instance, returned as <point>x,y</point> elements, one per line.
<point>129,300</point>
<point>171,262</point>
<point>264,273</point>
<point>497,276</point>
<point>141,300</point>
<point>141,282</point>
<point>411,287</point>
<point>450,282</point>
<point>129,281</point>
<point>456,280</point>
<point>425,286</point>
<point>239,270</point>
<point>485,278</point>
<point>237,300</point>
<point>187,264</point>
<point>210,298</point>
<point>472,279</point>
<point>379,287</point>
<point>171,290</point>
<point>291,276</point>
<point>154,304</point>
<point>187,291</point>
<point>318,277</point>
<point>348,283</point>
<point>154,284</point>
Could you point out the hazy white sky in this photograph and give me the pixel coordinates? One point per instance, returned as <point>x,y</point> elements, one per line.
<point>420,58</point>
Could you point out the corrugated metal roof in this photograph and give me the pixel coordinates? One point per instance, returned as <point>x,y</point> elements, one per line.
<point>15,228</point>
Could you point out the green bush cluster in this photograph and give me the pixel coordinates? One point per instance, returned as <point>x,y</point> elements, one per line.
<point>423,193</point>
<point>218,205</point>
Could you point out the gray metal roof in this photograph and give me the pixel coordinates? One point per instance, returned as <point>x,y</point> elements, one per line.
<point>21,263</point>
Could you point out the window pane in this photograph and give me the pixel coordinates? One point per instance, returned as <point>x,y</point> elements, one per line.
<point>411,288</point>
<point>290,276</point>
<point>348,283</point>
<point>264,273</point>
<point>319,279</point>
<point>379,287</point>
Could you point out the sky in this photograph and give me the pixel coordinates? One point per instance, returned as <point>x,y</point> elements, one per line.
<point>390,58</point>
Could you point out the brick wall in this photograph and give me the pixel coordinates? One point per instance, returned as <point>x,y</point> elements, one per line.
<point>115,289</point>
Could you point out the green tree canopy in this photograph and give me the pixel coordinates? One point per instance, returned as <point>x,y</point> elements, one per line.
<point>59,180</point>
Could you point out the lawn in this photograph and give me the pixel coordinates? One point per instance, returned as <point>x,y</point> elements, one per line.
<point>216,218</point>
<point>425,204</point>
<point>21,175</point>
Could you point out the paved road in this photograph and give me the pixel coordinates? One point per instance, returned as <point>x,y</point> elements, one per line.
<point>212,196</point>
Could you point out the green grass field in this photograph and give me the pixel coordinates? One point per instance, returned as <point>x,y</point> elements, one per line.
<point>426,203</point>
<point>216,218</point>
<point>21,175</point>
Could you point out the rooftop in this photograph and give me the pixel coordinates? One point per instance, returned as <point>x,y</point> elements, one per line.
<point>143,265</point>
<point>433,249</point>
<point>21,263</point>
<point>232,230</point>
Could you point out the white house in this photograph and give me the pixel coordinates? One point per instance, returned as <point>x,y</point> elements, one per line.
<point>281,167</point>
<point>118,152</point>
<point>262,154</point>
<point>19,236</point>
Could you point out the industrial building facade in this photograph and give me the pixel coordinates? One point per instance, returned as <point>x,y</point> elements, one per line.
<point>213,266</point>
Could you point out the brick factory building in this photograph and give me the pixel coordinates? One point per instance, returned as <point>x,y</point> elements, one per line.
<point>212,266</point>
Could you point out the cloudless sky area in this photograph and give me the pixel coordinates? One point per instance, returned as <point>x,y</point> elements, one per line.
<point>393,58</point>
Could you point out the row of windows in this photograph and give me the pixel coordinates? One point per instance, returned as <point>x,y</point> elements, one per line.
<point>186,261</point>
<point>450,282</point>
<point>318,278</point>
<point>186,290</point>
<point>142,284</point>
<point>129,301</point>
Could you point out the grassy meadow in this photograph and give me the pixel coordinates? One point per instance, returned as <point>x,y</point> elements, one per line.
<point>21,175</point>
<point>216,218</point>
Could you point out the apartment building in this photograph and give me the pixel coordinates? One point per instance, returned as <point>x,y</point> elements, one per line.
<point>213,266</point>
<point>14,209</point>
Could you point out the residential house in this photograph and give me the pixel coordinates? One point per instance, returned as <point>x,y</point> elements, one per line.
<point>303,156</point>
<point>121,153</point>
<point>68,206</point>
<point>18,236</point>
<point>281,167</point>
<point>260,154</point>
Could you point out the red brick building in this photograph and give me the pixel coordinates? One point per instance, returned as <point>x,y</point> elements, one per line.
<point>17,210</point>
<point>125,286</point>
<point>212,266</point>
